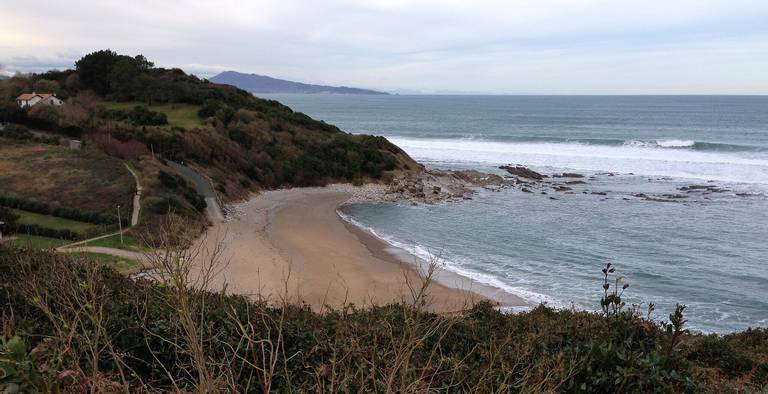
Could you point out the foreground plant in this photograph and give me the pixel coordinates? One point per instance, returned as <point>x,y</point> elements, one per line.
<point>156,336</point>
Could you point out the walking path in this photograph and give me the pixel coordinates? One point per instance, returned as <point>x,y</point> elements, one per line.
<point>201,184</point>
<point>136,197</point>
<point>127,254</point>
<point>76,248</point>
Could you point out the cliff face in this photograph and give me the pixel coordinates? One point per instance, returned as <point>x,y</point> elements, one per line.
<point>263,84</point>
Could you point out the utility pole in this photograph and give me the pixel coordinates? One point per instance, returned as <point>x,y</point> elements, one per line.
<point>2,223</point>
<point>120,223</point>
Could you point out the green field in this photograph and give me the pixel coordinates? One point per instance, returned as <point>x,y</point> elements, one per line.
<point>129,243</point>
<point>37,242</point>
<point>52,222</point>
<point>180,115</point>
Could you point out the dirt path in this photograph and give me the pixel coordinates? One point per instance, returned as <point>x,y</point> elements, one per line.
<point>136,197</point>
<point>75,247</point>
<point>110,251</point>
<point>67,246</point>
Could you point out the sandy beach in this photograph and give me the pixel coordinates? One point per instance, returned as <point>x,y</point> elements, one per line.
<point>292,244</point>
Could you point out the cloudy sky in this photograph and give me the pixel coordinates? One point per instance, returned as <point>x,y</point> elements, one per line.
<point>504,46</point>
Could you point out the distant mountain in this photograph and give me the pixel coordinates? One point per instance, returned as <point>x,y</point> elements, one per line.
<point>255,83</point>
<point>2,77</point>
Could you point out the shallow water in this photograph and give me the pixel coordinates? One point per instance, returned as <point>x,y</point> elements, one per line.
<point>707,250</point>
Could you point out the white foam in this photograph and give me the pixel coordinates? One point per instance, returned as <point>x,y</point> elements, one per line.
<point>675,143</point>
<point>424,254</point>
<point>748,168</point>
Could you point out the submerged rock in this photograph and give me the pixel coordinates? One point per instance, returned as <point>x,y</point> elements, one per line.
<point>523,172</point>
<point>693,187</point>
<point>568,175</point>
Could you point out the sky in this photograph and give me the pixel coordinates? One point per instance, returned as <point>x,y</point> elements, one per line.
<point>431,46</point>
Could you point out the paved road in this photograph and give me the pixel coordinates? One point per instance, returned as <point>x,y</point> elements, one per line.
<point>203,186</point>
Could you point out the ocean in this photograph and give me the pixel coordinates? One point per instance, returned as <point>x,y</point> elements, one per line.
<point>705,246</point>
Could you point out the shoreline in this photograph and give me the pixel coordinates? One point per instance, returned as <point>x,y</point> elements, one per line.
<point>445,277</point>
<point>293,245</point>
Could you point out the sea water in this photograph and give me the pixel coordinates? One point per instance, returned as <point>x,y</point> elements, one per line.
<point>707,249</point>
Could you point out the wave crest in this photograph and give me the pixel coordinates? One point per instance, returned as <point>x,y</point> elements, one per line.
<point>676,144</point>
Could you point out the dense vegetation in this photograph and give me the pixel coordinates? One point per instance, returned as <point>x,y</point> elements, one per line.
<point>77,326</point>
<point>242,142</point>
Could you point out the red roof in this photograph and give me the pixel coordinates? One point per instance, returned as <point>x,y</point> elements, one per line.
<point>29,96</point>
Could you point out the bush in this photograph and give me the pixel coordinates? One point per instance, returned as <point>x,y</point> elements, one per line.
<point>760,377</point>
<point>139,115</point>
<point>713,351</point>
<point>8,219</point>
<point>142,116</point>
<point>62,212</point>
<point>255,346</point>
<point>10,112</point>
<point>34,229</point>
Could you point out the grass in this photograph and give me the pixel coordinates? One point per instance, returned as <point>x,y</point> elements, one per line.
<point>37,242</point>
<point>129,243</point>
<point>83,179</point>
<point>120,264</point>
<point>52,222</point>
<point>179,115</point>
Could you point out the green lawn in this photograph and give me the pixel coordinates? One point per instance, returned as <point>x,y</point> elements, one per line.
<point>121,264</point>
<point>181,115</point>
<point>37,242</point>
<point>52,222</point>
<point>129,243</point>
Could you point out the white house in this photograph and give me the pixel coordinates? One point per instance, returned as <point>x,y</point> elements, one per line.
<point>32,99</point>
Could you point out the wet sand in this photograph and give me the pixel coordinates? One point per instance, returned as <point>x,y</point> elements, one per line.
<point>291,244</point>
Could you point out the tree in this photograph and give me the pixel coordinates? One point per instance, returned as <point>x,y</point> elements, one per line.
<point>95,68</point>
<point>10,112</point>
<point>72,82</point>
<point>123,79</point>
<point>46,86</point>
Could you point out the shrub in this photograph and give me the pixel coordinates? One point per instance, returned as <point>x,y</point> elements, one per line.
<point>250,345</point>
<point>713,351</point>
<point>760,377</point>
<point>63,212</point>
<point>34,229</point>
<point>12,113</point>
<point>8,219</point>
<point>142,116</point>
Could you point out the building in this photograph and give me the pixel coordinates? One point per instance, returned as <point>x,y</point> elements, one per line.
<point>32,99</point>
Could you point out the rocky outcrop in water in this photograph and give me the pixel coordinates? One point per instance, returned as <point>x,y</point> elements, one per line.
<point>523,172</point>
<point>432,186</point>
<point>568,175</point>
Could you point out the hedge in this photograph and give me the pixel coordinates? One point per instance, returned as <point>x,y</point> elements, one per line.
<point>62,212</point>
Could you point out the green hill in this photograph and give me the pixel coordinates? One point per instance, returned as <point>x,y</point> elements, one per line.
<point>241,142</point>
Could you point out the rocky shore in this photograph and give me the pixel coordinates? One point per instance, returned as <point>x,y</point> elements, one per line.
<point>432,186</point>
